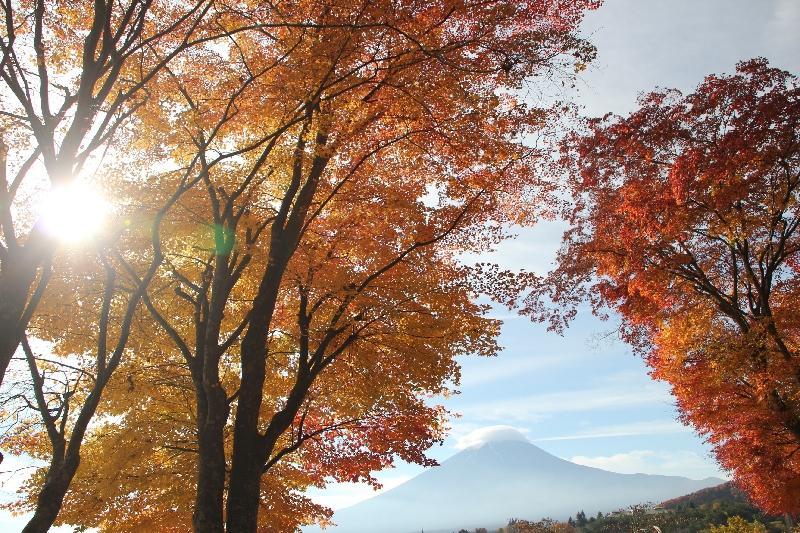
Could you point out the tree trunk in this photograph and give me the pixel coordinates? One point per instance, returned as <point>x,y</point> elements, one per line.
<point>14,288</point>
<point>245,493</point>
<point>247,459</point>
<point>248,453</point>
<point>250,448</point>
<point>17,274</point>
<point>251,452</point>
<point>208,507</point>
<point>50,499</point>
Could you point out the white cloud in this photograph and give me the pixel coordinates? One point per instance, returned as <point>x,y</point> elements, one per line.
<point>669,463</point>
<point>653,427</point>
<point>491,434</point>
<point>537,407</point>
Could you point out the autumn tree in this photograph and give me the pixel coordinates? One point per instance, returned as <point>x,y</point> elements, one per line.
<point>65,388</point>
<point>737,524</point>
<point>72,73</point>
<point>75,74</point>
<point>312,301</point>
<point>685,221</point>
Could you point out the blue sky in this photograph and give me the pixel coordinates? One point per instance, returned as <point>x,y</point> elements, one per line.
<point>584,396</point>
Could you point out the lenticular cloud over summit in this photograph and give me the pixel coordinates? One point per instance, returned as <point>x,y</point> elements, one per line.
<point>490,434</point>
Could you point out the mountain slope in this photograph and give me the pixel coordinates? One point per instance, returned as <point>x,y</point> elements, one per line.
<point>485,485</point>
<point>725,492</point>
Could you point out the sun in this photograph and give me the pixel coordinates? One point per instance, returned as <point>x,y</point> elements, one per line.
<point>74,213</point>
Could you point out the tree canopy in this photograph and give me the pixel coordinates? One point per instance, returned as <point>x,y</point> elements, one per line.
<point>685,221</point>
<point>279,295</point>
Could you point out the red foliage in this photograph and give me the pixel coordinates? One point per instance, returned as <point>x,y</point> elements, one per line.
<point>685,221</point>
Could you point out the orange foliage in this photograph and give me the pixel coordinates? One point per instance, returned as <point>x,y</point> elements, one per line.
<point>339,157</point>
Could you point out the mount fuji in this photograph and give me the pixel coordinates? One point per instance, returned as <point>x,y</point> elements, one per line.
<point>507,477</point>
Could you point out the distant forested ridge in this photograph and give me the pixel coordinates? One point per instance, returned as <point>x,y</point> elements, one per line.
<point>719,509</point>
